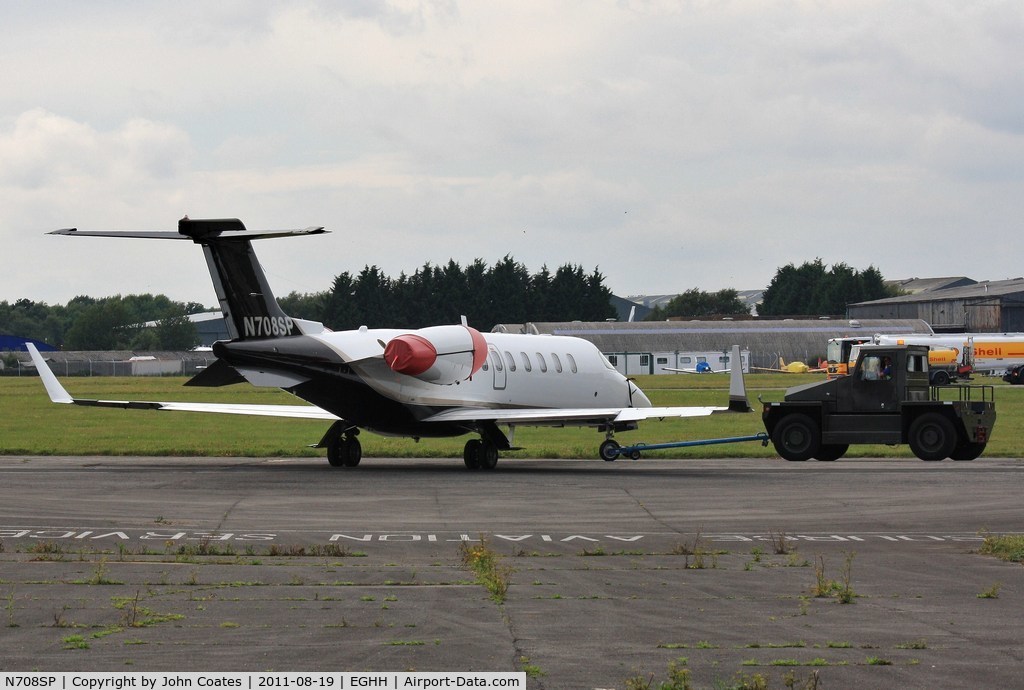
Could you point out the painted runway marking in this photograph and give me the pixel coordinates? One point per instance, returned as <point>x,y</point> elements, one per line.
<point>129,534</point>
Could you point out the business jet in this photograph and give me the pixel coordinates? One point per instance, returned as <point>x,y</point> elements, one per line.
<point>439,381</point>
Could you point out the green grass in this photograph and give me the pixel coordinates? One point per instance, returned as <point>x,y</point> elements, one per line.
<point>31,425</point>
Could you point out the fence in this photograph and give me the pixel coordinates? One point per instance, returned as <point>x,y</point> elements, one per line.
<point>89,366</point>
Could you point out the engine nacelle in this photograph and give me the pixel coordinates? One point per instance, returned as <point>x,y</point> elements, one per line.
<point>437,354</point>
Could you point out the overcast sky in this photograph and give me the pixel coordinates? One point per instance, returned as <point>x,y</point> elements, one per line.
<point>672,145</point>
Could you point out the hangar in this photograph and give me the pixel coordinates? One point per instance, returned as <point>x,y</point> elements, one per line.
<point>987,307</point>
<point>649,347</point>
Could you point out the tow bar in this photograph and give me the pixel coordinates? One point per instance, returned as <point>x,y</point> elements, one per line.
<point>633,452</point>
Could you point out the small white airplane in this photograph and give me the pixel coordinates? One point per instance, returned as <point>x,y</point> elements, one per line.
<point>437,381</point>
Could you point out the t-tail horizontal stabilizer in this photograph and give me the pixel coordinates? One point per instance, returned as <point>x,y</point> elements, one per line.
<point>246,300</point>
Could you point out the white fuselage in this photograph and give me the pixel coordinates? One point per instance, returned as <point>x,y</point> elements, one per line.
<point>520,371</point>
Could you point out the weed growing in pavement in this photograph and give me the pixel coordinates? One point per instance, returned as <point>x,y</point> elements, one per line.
<point>58,618</point>
<point>486,564</point>
<point>75,642</point>
<point>812,683</point>
<point>46,551</point>
<point>700,549</point>
<point>992,592</point>
<point>1005,547</point>
<point>745,682</point>
<point>780,543</point>
<point>840,589</point>
<point>129,610</point>
<point>531,670</point>
<point>678,678</point>
<point>99,576</point>
<point>10,610</point>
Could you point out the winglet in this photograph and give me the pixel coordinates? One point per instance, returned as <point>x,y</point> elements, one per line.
<point>53,388</point>
<point>737,390</point>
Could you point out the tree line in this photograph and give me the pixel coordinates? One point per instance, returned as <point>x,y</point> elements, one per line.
<point>486,295</point>
<point>813,289</point>
<point>108,323</point>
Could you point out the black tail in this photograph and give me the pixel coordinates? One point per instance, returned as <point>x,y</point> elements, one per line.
<point>250,309</point>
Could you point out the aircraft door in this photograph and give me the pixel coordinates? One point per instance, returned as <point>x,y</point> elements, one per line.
<point>500,375</point>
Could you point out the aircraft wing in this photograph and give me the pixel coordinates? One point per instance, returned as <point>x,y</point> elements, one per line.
<point>581,416</point>
<point>59,394</point>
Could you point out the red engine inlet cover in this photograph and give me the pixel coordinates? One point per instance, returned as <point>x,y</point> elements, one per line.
<point>410,354</point>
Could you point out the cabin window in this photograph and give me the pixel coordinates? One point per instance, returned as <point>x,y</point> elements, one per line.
<point>542,363</point>
<point>527,365</point>
<point>572,363</point>
<point>498,366</point>
<point>557,362</point>
<point>511,361</point>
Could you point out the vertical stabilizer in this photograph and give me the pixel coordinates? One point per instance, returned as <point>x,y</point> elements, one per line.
<point>246,300</point>
<point>737,389</point>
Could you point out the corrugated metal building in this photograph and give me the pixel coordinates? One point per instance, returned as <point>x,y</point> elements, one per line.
<point>765,340</point>
<point>986,307</point>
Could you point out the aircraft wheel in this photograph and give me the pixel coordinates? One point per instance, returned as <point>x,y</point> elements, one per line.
<point>471,453</point>
<point>967,451</point>
<point>336,453</point>
<point>353,452</point>
<point>932,437</point>
<point>487,455</point>
<point>609,450</point>
<point>797,438</point>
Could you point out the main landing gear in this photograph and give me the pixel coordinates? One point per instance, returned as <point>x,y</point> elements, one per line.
<point>480,454</point>
<point>345,450</point>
